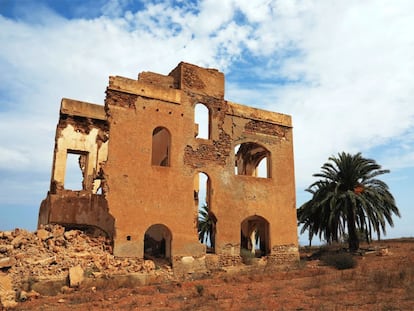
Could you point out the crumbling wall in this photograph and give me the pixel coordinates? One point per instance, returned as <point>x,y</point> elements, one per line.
<point>149,166</point>
<point>82,130</point>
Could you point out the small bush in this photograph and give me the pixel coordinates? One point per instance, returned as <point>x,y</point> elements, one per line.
<point>340,261</point>
<point>200,289</point>
<point>247,256</point>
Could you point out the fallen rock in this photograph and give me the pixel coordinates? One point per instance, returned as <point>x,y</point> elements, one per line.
<point>43,234</point>
<point>47,261</point>
<point>7,294</point>
<point>7,235</point>
<point>76,276</point>
<point>5,248</point>
<point>384,252</point>
<point>67,290</point>
<point>7,262</point>
<point>71,234</point>
<point>23,296</point>
<point>18,241</point>
<point>57,230</point>
<point>149,265</point>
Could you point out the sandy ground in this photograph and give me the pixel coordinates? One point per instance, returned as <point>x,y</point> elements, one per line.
<point>378,282</point>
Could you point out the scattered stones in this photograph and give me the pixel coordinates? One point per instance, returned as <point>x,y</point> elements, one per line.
<point>51,253</point>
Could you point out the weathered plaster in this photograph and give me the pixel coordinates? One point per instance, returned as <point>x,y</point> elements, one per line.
<point>149,178</point>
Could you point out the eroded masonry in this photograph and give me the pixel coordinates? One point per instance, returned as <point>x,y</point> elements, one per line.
<point>158,150</point>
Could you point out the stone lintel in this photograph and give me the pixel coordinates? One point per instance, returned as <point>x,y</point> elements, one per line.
<point>246,112</point>
<point>82,109</point>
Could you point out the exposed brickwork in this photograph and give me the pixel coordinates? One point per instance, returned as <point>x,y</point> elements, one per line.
<point>81,124</point>
<point>283,254</point>
<point>217,152</point>
<point>157,79</point>
<point>265,128</point>
<point>121,99</point>
<point>229,260</point>
<point>140,161</point>
<point>191,79</point>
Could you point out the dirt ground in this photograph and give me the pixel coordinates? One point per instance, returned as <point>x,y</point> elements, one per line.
<point>380,281</point>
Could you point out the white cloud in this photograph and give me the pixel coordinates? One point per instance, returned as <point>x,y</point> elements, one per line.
<point>349,64</point>
<point>354,63</point>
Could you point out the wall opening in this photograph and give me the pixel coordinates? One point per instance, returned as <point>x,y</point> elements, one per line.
<point>99,182</point>
<point>75,170</point>
<point>254,236</point>
<point>202,121</point>
<point>157,242</point>
<point>206,220</point>
<point>161,146</point>
<point>252,159</point>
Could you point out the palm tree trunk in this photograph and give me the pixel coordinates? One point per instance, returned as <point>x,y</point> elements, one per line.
<point>353,240</point>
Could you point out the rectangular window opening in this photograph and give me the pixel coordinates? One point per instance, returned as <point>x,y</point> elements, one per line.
<point>75,168</point>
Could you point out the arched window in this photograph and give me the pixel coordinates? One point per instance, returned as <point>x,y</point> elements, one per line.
<point>254,237</point>
<point>202,120</point>
<point>161,145</point>
<point>206,220</point>
<point>252,159</point>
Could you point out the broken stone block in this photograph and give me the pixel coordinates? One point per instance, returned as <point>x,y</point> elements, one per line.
<point>66,290</point>
<point>58,231</point>
<point>24,296</point>
<point>76,276</point>
<point>18,241</point>
<point>149,265</point>
<point>7,262</point>
<point>43,234</point>
<point>46,261</point>
<point>7,235</point>
<point>7,294</point>
<point>384,252</point>
<point>187,260</point>
<point>5,248</point>
<point>70,235</point>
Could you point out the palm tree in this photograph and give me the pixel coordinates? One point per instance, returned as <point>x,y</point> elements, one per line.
<point>348,198</point>
<point>206,226</point>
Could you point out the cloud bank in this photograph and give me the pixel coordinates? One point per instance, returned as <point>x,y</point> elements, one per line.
<point>342,69</point>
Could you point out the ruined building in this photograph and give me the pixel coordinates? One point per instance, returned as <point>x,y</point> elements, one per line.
<point>142,156</point>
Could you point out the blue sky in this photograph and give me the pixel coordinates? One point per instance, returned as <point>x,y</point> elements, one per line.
<point>343,70</point>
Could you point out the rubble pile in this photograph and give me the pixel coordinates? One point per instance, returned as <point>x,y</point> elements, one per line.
<point>53,253</point>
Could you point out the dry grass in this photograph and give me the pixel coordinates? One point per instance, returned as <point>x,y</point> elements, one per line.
<point>376,283</point>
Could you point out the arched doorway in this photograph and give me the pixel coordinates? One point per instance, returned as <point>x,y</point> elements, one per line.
<point>254,236</point>
<point>157,242</point>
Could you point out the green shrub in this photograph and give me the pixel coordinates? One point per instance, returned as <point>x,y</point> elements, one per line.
<point>200,289</point>
<point>340,261</point>
<point>247,256</point>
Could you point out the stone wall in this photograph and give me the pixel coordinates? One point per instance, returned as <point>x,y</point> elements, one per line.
<point>148,179</point>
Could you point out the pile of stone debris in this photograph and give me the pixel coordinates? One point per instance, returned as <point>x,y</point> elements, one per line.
<point>51,253</point>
